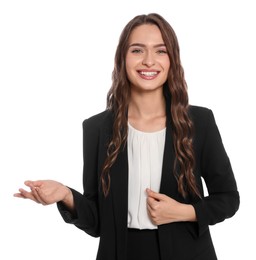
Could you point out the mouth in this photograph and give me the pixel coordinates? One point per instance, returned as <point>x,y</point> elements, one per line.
<point>152,74</point>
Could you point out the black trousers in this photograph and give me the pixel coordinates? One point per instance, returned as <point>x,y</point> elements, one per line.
<point>143,244</point>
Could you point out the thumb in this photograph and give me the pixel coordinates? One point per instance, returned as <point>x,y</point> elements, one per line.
<point>32,184</point>
<point>155,195</point>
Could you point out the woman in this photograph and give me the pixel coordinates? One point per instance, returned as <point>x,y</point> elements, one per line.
<point>144,157</point>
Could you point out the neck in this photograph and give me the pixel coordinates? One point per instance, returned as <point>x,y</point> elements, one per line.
<point>147,105</point>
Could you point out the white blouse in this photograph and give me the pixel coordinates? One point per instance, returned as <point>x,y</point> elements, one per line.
<point>145,159</point>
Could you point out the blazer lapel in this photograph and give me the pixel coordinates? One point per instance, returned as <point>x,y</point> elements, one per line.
<point>119,192</point>
<point>168,184</point>
<point>168,187</point>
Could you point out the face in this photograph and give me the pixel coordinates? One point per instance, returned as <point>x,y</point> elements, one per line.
<point>147,60</point>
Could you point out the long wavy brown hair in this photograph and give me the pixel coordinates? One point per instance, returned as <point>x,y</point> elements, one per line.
<point>118,100</point>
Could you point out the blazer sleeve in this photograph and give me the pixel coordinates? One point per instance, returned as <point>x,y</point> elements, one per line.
<point>86,215</point>
<point>223,199</point>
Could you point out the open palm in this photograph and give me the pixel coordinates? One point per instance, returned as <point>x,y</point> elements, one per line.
<point>45,192</point>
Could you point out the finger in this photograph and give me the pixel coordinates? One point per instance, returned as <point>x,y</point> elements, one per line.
<point>37,196</point>
<point>31,184</point>
<point>152,203</point>
<point>155,195</point>
<point>152,215</point>
<point>150,209</point>
<point>18,195</point>
<point>25,195</point>
<point>41,196</point>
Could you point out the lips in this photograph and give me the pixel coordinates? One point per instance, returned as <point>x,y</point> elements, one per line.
<point>148,74</point>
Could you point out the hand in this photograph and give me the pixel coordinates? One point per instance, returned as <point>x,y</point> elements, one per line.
<point>163,209</point>
<point>46,192</point>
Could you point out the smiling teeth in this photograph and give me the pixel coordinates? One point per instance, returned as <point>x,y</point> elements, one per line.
<point>151,73</point>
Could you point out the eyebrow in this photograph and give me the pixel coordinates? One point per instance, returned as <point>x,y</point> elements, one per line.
<point>144,45</point>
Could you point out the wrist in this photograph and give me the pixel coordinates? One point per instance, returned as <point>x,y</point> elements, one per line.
<point>68,198</point>
<point>188,213</point>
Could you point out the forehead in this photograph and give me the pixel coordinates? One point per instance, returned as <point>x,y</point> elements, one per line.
<point>146,34</point>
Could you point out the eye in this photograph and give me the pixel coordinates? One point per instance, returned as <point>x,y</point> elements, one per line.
<point>136,51</point>
<point>161,51</point>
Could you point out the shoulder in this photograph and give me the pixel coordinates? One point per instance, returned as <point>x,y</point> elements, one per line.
<point>203,119</point>
<point>199,112</point>
<point>97,121</point>
<point>200,115</point>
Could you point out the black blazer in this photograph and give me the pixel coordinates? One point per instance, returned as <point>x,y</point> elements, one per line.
<point>107,217</point>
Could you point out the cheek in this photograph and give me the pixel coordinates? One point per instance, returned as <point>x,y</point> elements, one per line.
<point>167,67</point>
<point>129,72</point>
<point>130,66</point>
<point>130,61</point>
<point>167,64</point>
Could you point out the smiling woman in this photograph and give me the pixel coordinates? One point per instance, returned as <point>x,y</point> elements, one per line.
<point>147,58</point>
<point>147,67</point>
<point>144,157</point>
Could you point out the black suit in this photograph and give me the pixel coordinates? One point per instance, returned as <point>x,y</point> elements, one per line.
<point>107,217</point>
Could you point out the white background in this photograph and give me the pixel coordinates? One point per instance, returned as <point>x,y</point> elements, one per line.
<point>56,60</point>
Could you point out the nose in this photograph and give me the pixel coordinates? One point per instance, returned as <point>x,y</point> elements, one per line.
<point>148,59</point>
